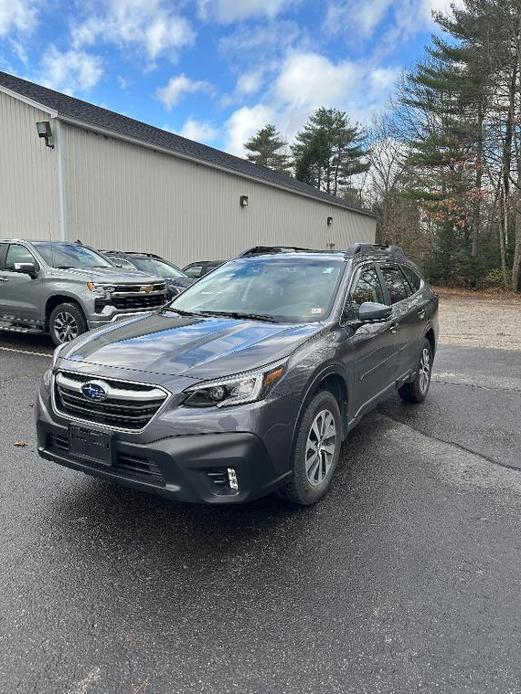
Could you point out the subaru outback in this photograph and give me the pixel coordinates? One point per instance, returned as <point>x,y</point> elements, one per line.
<point>249,381</point>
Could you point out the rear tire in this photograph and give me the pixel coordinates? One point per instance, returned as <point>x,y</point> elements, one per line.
<point>316,451</point>
<point>417,390</point>
<point>66,322</point>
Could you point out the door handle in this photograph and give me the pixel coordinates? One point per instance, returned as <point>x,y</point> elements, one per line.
<point>393,328</point>
<point>4,279</point>
<point>421,313</point>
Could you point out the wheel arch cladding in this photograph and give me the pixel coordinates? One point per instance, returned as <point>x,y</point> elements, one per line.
<point>58,299</point>
<point>432,339</point>
<point>333,381</point>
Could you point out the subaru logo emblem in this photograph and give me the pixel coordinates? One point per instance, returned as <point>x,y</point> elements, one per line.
<point>95,390</point>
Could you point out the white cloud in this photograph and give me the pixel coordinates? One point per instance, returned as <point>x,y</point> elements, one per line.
<point>355,18</point>
<point>151,25</point>
<point>307,81</point>
<point>228,11</point>
<point>249,82</point>
<point>199,131</point>
<point>244,123</point>
<point>17,15</point>
<point>366,16</point>
<point>69,71</point>
<point>311,80</point>
<point>172,93</point>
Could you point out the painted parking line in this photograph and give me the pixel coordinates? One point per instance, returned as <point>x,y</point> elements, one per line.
<point>26,351</point>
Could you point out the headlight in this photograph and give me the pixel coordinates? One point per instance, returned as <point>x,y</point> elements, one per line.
<point>234,390</point>
<point>100,289</point>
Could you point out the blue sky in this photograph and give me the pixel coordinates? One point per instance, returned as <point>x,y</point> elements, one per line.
<point>217,70</point>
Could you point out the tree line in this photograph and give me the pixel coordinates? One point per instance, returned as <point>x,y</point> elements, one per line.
<point>441,168</point>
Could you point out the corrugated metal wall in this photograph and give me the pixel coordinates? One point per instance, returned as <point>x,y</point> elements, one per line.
<point>128,197</point>
<point>28,174</point>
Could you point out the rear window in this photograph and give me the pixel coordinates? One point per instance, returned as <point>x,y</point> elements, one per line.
<point>396,283</point>
<point>414,279</point>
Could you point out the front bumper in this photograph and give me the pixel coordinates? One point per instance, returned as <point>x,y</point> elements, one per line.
<point>186,468</point>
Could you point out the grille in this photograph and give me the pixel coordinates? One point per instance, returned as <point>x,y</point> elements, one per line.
<point>128,406</point>
<point>139,467</point>
<point>142,301</point>
<point>137,296</point>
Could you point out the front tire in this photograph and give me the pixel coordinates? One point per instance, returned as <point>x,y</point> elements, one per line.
<point>417,390</point>
<point>316,452</point>
<point>66,322</point>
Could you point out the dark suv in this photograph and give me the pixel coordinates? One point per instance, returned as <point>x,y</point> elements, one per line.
<point>246,383</point>
<point>175,279</point>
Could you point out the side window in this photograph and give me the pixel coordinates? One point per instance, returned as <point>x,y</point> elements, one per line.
<point>414,279</point>
<point>368,288</point>
<point>18,254</point>
<point>194,271</point>
<point>396,284</point>
<point>3,249</point>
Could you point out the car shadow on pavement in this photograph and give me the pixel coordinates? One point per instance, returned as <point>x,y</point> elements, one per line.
<point>106,525</point>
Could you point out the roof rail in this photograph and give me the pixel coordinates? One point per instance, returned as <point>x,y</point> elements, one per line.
<point>262,250</point>
<point>374,249</point>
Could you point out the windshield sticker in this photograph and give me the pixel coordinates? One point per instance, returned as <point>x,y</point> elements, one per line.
<point>316,311</point>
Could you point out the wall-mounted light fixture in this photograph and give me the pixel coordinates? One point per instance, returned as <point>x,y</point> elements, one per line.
<point>330,221</point>
<point>244,201</point>
<point>43,128</point>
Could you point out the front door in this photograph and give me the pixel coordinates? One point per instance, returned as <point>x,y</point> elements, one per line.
<point>368,350</point>
<point>20,294</point>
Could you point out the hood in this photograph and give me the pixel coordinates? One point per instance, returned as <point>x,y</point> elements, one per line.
<point>200,348</point>
<point>110,275</point>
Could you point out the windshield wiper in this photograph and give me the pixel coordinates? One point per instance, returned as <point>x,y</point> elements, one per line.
<point>242,316</point>
<point>181,312</point>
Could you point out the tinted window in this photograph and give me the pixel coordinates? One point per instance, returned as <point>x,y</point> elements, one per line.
<point>368,288</point>
<point>3,248</point>
<point>17,254</point>
<point>121,262</point>
<point>414,279</point>
<point>283,288</point>
<point>154,266</point>
<point>194,271</point>
<point>396,284</point>
<point>71,255</point>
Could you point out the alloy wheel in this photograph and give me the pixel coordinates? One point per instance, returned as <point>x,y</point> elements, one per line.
<point>320,447</point>
<point>425,370</point>
<point>66,327</point>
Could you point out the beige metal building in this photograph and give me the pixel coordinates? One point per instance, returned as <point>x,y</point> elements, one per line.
<point>116,183</point>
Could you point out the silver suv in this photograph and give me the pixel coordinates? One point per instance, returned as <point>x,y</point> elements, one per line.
<point>65,289</point>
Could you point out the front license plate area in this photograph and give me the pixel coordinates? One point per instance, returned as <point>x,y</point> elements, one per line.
<point>93,446</point>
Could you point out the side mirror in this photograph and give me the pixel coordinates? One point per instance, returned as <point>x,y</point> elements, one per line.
<point>26,269</point>
<point>370,312</point>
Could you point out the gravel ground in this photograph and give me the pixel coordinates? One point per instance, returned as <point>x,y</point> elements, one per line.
<point>480,320</point>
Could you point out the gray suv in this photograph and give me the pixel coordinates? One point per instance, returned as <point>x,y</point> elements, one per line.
<point>246,383</point>
<point>66,289</point>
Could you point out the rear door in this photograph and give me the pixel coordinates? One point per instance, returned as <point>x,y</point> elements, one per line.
<point>20,294</point>
<point>369,350</point>
<point>405,315</point>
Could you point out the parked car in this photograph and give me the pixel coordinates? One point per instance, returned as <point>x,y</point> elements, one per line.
<point>201,268</point>
<point>65,289</point>
<point>246,383</point>
<point>176,280</point>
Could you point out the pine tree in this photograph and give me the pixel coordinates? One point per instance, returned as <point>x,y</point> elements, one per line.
<point>328,151</point>
<point>268,148</point>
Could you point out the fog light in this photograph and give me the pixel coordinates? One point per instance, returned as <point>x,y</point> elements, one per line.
<point>232,479</point>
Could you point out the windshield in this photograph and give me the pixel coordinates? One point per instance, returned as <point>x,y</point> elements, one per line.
<point>280,288</point>
<point>157,267</point>
<point>71,255</point>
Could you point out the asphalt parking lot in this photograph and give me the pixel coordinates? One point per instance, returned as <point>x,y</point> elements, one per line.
<point>407,577</point>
